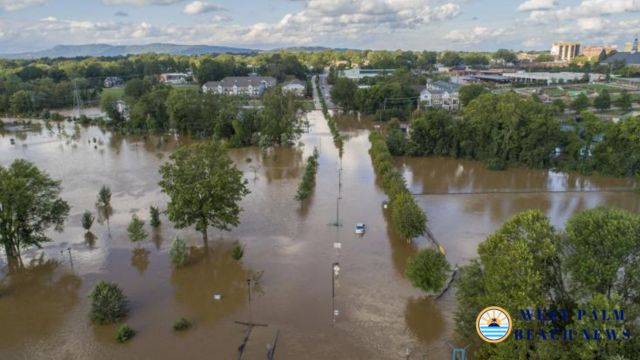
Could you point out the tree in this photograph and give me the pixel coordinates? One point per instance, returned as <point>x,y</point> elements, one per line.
<point>30,204</point>
<point>104,196</point>
<point>427,270</point>
<point>343,94</point>
<point>506,55</point>
<point>155,216</point>
<point>20,102</point>
<point>125,333</point>
<point>178,252</point>
<point>580,103</point>
<point>603,100</point>
<point>87,220</point>
<point>396,140</point>
<point>601,244</point>
<point>408,218</point>
<point>469,92</point>
<point>136,229</point>
<point>559,104</point>
<point>108,303</point>
<point>624,101</point>
<point>204,186</point>
<point>109,104</point>
<point>451,59</point>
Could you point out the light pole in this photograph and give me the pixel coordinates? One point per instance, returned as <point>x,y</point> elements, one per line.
<point>335,271</point>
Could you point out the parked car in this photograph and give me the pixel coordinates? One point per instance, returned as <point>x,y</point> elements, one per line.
<point>360,228</point>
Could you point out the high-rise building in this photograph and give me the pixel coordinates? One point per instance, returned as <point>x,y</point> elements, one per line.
<point>565,51</point>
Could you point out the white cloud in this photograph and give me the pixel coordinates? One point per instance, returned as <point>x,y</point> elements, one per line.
<point>13,5</point>
<point>597,7</point>
<point>531,5</point>
<point>477,35</point>
<point>141,2</point>
<point>201,7</point>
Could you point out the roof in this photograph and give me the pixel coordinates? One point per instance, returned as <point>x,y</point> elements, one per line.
<point>295,82</point>
<point>626,57</point>
<point>241,81</point>
<point>445,86</point>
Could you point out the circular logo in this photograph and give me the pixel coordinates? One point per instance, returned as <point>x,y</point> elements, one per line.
<point>494,324</point>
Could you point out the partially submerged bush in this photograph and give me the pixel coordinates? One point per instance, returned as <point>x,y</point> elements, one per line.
<point>178,253</point>
<point>125,333</point>
<point>181,324</point>
<point>108,303</point>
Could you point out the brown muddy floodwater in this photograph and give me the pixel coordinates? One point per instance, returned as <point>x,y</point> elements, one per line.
<point>43,307</point>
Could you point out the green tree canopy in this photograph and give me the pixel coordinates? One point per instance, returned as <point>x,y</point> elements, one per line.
<point>427,270</point>
<point>30,204</point>
<point>603,100</point>
<point>469,92</point>
<point>204,186</point>
<point>580,103</point>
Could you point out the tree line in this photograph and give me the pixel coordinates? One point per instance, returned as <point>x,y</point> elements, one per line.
<point>510,130</point>
<point>157,107</point>
<point>529,264</point>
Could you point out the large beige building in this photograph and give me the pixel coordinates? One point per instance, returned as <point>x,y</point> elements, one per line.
<point>565,51</point>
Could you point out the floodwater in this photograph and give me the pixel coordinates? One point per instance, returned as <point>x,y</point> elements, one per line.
<point>375,313</point>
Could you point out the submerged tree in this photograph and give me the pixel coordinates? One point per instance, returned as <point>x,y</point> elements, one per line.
<point>136,229</point>
<point>155,216</point>
<point>87,220</point>
<point>108,303</point>
<point>428,270</point>
<point>30,204</point>
<point>204,186</point>
<point>179,253</point>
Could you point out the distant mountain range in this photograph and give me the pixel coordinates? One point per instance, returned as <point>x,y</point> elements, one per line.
<point>71,51</point>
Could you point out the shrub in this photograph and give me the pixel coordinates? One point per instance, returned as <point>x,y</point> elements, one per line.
<point>181,324</point>
<point>178,253</point>
<point>427,270</point>
<point>108,303</point>
<point>125,333</point>
<point>87,220</point>
<point>155,216</point>
<point>238,251</point>
<point>496,164</point>
<point>309,177</point>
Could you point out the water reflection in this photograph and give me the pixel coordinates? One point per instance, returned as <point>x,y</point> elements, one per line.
<point>140,259</point>
<point>211,271</point>
<point>35,299</point>
<point>424,319</point>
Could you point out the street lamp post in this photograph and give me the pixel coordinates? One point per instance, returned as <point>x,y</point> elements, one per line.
<point>335,271</point>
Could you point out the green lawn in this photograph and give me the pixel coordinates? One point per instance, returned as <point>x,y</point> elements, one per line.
<point>116,91</point>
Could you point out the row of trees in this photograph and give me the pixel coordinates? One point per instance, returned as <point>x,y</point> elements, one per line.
<point>528,264</point>
<point>309,178</point>
<point>509,130</point>
<point>338,141</point>
<point>603,101</point>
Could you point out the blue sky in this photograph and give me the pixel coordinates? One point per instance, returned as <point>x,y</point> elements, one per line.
<point>27,25</point>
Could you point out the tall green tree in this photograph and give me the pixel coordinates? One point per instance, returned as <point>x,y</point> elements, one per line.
<point>469,92</point>
<point>624,101</point>
<point>343,94</point>
<point>427,270</point>
<point>135,230</point>
<point>30,204</point>
<point>580,103</point>
<point>602,101</point>
<point>409,220</point>
<point>204,186</point>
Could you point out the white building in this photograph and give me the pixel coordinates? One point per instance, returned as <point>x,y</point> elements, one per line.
<point>566,51</point>
<point>294,86</point>
<point>240,85</point>
<point>441,95</point>
<point>174,78</point>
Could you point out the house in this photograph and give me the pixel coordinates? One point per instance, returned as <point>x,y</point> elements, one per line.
<point>174,78</point>
<point>441,95</point>
<point>112,81</point>
<point>630,58</point>
<point>240,85</point>
<point>294,86</point>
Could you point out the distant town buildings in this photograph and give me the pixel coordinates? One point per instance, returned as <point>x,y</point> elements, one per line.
<point>357,74</point>
<point>240,85</point>
<point>174,78</point>
<point>565,51</point>
<point>294,86</point>
<point>441,95</point>
<point>596,53</point>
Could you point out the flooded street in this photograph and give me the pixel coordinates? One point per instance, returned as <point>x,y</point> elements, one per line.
<point>375,314</point>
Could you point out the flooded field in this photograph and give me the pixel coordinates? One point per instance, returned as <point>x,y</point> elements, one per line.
<point>375,313</point>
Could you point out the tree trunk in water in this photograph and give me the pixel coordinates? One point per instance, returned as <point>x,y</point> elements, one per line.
<point>205,237</point>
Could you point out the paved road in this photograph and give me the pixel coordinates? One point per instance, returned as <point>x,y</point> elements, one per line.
<point>326,91</point>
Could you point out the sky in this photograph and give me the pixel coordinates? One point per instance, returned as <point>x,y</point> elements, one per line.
<point>28,25</point>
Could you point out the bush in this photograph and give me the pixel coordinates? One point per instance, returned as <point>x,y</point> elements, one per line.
<point>178,253</point>
<point>136,229</point>
<point>427,270</point>
<point>238,251</point>
<point>496,164</point>
<point>309,177</point>
<point>155,216</point>
<point>125,333</point>
<point>108,303</point>
<point>181,324</point>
